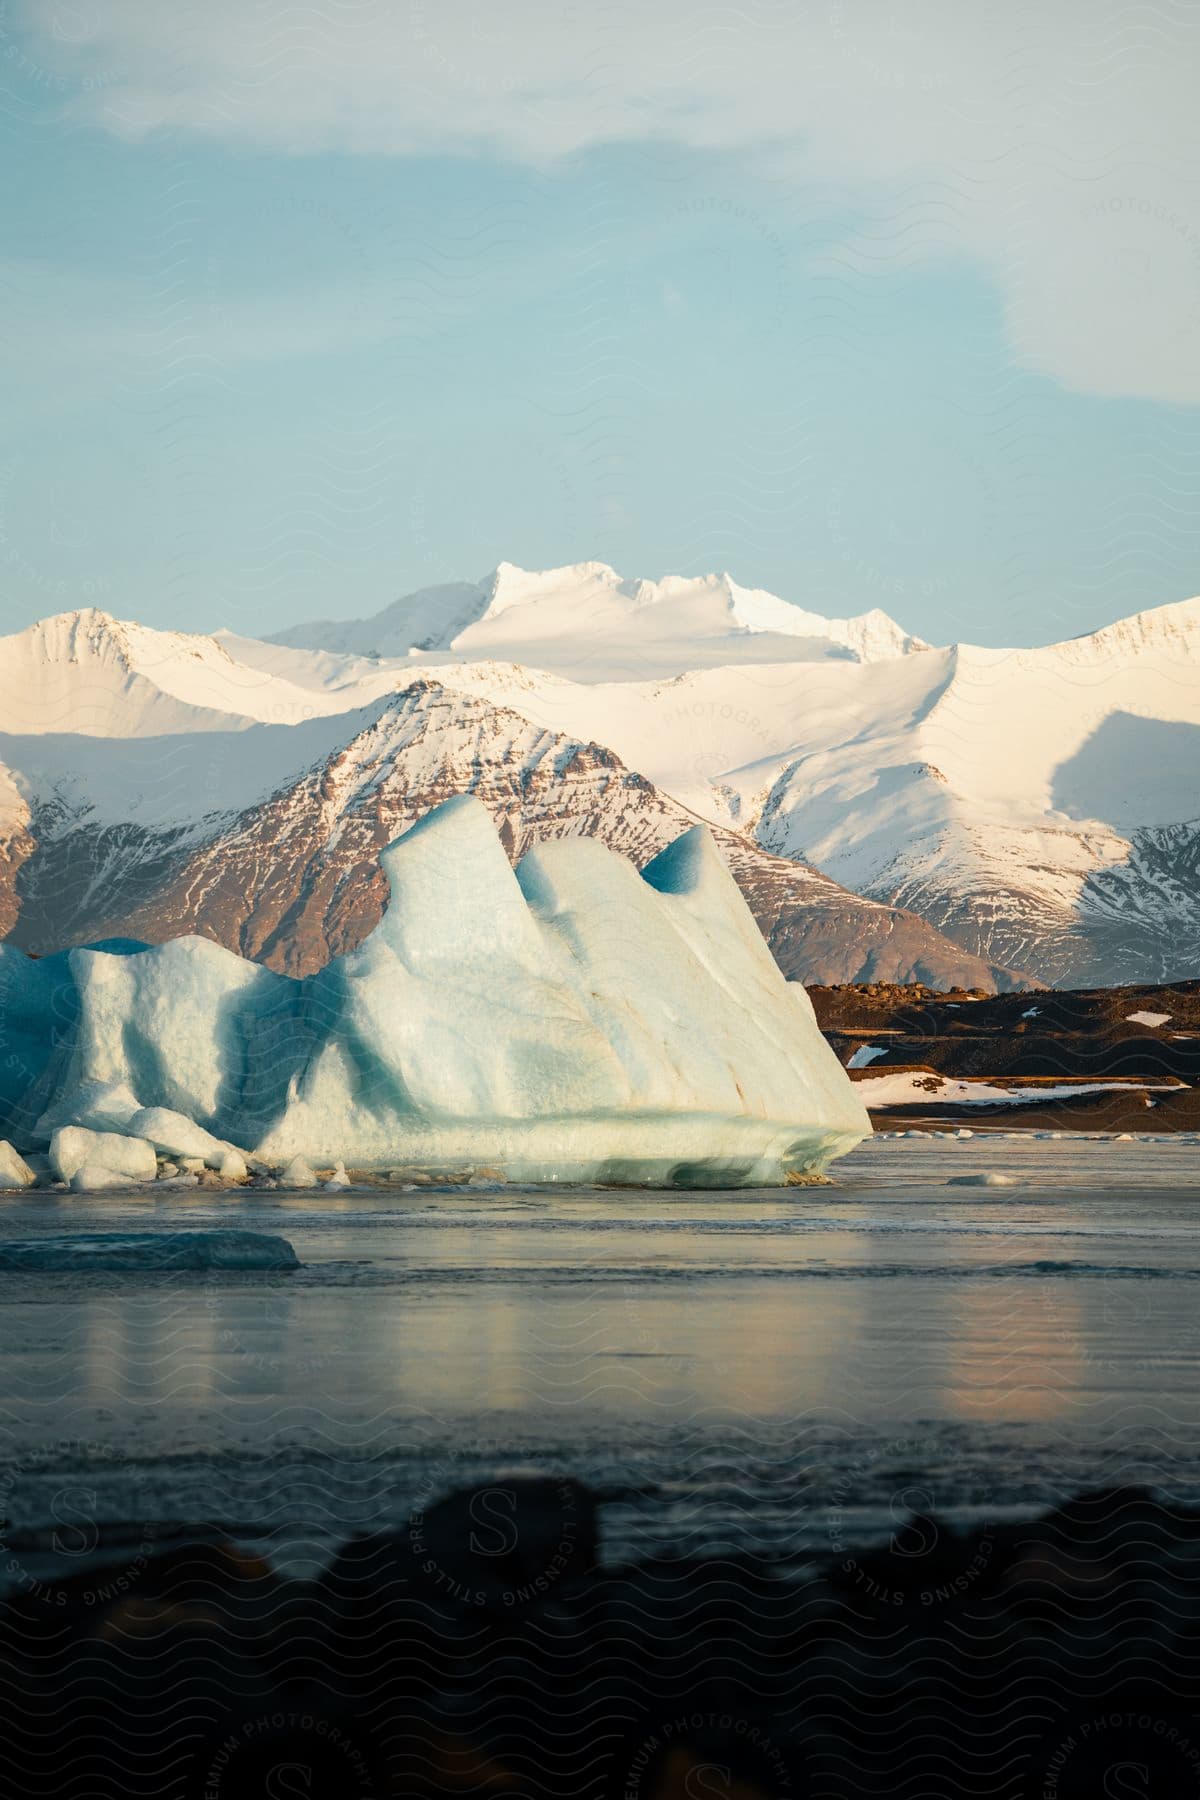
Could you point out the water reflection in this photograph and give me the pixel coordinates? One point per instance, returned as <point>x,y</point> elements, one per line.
<point>738,1358</point>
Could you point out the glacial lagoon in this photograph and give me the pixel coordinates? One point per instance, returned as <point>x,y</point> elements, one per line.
<point>775,1372</point>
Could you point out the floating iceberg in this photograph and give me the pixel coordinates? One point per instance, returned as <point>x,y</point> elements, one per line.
<point>124,1251</point>
<point>571,1020</point>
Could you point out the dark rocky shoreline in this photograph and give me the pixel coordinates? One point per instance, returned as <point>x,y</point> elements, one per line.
<point>1052,1037</point>
<point>487,1649</point>
<point>1087,1034</point>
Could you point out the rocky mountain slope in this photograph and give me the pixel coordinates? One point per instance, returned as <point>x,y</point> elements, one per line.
<point>293,878</point>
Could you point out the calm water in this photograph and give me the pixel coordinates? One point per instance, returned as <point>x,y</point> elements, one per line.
<point>762,1371</point>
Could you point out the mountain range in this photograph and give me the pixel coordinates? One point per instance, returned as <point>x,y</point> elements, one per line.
<point>893,810</point>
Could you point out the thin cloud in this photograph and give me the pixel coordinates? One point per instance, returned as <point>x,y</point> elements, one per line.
<point>1056,146</point>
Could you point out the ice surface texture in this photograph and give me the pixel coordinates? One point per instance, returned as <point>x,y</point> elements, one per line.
<point>14,1170</point>
<point>571,1020</point>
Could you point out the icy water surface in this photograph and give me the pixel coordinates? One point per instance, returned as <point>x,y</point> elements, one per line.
<point>761,1371</point>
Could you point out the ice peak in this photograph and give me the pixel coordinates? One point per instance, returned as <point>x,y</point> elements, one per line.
<point>452,889</point>
<point>688,865</point>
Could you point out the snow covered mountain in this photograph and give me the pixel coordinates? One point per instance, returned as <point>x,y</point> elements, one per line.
<point>290,876</point>
<point>586,621</point>
<point>890,808</point>
<point>85,672</point>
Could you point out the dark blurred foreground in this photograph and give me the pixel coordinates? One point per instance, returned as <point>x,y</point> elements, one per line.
<point>484,1650</point>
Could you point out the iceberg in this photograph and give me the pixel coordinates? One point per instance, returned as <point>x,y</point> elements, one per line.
<point>569,1020</point>
<point>148,1251</point>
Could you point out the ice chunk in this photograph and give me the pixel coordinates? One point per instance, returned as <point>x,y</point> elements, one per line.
<point>72,1148</point>
<point>93,1178</point>
<point>149,1250</point>
<point>298,1174</point>
<point>15,1172</point>
<point>172,1134</point>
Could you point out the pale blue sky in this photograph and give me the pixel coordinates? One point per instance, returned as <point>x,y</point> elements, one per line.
<point>299,317</point>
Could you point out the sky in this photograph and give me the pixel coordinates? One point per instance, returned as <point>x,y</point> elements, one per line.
<point>869,304</point>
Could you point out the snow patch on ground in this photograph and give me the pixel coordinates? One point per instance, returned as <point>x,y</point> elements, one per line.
<point>937,1090</point>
